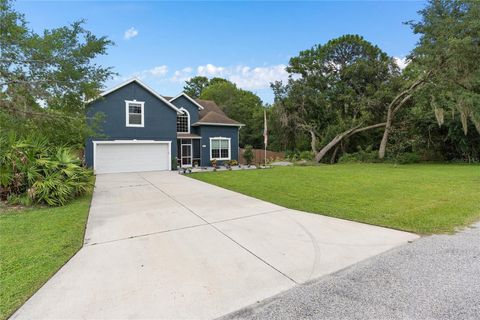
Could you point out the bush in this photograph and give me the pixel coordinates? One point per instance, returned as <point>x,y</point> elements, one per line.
<point>306,155</point>
<point>361,156</point>
<point>233,163</point>
<point>408,157</point>
<point>248,154</point>
<point>31,172</point>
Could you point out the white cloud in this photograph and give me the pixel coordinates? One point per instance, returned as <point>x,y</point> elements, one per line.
<point>158,71</point>
<point>401,62</point>
<point>130,33</point>
<point>210,70</point>
<point>245,77</point>
<point>259,77</point>
<point>155,72</point>
<point>182,75</point>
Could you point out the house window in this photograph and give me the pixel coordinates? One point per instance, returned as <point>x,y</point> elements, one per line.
<point>135,113</point>
<point>220,148</point>
<point>183,121</point>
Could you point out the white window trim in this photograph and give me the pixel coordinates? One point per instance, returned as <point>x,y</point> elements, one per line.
<point>127,118</point>
<point>188,114</point>
<point>97,142</point>
<point>229,148</point>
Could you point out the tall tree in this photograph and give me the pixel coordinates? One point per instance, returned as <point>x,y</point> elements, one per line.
<point>195,86</point>
<point>49,75</point>
<point>241,105</point>
<point>342,86</point>
<point>449,48</point>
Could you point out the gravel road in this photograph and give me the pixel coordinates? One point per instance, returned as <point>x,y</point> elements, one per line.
<point>435,277</point>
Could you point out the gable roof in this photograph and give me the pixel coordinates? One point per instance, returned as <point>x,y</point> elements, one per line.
<point>123,84</point>
<point>183,94</point>
<point>210,114</point>
<point>213,115</point>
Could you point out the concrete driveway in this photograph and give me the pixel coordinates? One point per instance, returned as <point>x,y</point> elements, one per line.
<point>161,245</point>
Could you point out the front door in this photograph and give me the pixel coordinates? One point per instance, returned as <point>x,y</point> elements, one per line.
<point>186,155</point>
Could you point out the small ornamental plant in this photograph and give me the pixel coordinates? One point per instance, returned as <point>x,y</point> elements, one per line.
<point>248,154</point>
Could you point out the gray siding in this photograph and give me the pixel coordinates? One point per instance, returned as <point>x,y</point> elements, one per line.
<point>160,119</point>
<point>218,131</point>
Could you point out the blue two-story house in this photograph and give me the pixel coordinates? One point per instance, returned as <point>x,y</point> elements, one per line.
<point>145,131</point>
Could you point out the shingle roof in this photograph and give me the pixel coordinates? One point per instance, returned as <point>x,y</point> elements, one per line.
<point>211,114</point>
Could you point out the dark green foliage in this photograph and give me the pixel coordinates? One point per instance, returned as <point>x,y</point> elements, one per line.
<point>366,156</point>
<point>449,49</point>
<point>31,172</point>
<point>248,154</point>
<point>370,156</point>
<point>349,83</point>
<point>240,105</point>
<point>306,155</point>
<point>46,78</point>
<point>195,86</point>
<point>343,83</point>
<point>407,158</point>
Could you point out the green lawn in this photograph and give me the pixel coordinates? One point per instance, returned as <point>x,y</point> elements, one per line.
<point>424,198</point>
<point>34,244</point>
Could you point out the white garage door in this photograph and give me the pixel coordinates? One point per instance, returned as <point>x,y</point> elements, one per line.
<point>131,156</point>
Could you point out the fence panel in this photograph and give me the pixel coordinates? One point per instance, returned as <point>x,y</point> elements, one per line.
<point>259,156</point>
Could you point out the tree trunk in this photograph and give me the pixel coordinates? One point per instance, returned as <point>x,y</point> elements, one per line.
<point>388,125</point>
<point>313,141</point>
<point>393,107</point>
<point>383,143</point>
<point>332,160</point>
<point>319,156</point>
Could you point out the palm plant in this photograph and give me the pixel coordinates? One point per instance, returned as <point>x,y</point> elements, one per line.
<point>32,172</point>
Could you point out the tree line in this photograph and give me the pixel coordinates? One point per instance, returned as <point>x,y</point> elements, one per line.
<point>348,95</point>
<point>342,96</point>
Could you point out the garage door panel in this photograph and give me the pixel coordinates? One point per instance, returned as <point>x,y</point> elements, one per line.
<point>131,157</point>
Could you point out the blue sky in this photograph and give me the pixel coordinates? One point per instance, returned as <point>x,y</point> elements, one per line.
<point>165,43</point>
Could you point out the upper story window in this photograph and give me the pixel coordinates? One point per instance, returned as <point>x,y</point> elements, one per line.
<point>183,121</point>
<point>135,113</point>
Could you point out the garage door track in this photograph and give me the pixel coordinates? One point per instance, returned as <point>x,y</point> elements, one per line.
<point>161,245</point>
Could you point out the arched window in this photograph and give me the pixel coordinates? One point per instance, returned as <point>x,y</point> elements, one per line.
<point>183,121</point>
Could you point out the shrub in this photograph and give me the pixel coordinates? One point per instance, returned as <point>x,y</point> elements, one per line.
<point>233,163</point>
<point>407,157</point>
<point>33,173</point>
<point>306,155</point>
<point>248,154</point>
<point>361,156</point>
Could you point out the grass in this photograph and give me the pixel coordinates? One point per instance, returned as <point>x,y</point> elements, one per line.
<point>424,198</point>
<point>34,244</point>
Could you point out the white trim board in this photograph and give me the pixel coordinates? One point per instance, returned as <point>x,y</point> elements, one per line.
<point>229,148</point>
<point>199,106</point>
<point>127,113</point>
<point>217,124</point>
<point>188,114</point>
<point>146,87</point>
<point>97,142</point>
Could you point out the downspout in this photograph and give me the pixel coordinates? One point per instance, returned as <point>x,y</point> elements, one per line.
<point>238,144</point>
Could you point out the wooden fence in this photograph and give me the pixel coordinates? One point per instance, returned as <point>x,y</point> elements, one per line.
<point>259,156</point>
